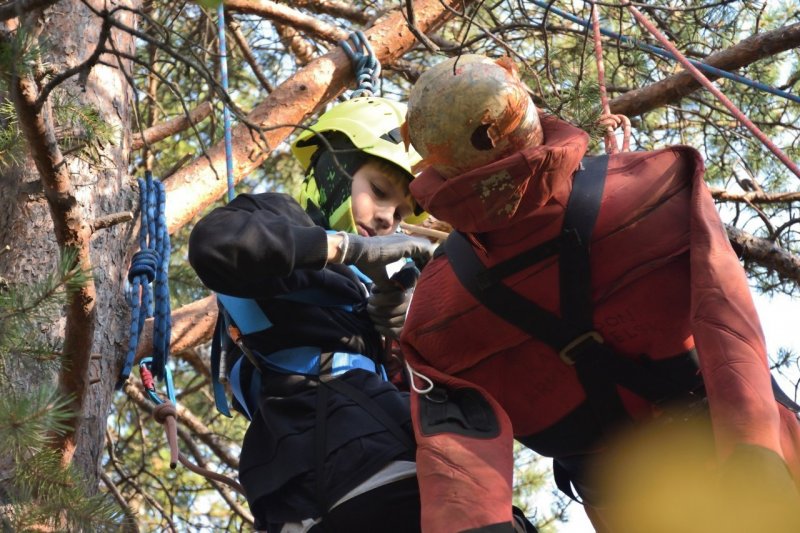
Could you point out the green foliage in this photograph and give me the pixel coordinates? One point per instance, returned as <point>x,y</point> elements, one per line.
<point>19,53</point>
<point>12,146</point>
<point>41,492</point>
<point>80,128</point>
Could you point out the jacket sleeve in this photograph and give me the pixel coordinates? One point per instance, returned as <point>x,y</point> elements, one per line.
<point>728,335</point>
<point>235,248</point>
<point>464,454</point>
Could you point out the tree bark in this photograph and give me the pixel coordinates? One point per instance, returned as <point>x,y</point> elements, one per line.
<point>80,192</point>
<point>198,184</point>
<point>676,87</point>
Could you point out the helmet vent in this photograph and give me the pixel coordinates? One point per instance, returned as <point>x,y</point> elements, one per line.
<point>393,136</point>
<point>480,138</point>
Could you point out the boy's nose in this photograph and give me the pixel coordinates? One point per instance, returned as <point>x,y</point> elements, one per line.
<point>384,218</point>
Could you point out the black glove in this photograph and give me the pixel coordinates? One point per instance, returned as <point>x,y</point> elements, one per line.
<point>387,308</point>
<point>372,254</point>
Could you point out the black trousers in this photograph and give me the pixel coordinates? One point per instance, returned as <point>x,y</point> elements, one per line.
<point>391,508</point>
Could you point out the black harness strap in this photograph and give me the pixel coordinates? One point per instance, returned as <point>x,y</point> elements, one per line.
<point>572,335</point>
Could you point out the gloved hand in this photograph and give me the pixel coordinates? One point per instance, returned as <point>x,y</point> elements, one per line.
<point>372,254</point>
<point>387,308</point>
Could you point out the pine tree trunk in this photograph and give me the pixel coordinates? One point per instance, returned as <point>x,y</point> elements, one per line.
<point>68,34</point>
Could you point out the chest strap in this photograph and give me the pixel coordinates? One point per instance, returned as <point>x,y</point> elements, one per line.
<point>599,368</point>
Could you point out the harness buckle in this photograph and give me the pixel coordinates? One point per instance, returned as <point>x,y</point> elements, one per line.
<point>577,345</point>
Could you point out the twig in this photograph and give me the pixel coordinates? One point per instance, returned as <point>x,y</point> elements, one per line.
<point>170,127</point>
<point>83,68</point>
<point>241,42</point>
<point>110,220</point>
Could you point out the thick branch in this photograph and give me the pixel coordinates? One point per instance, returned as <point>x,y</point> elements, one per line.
<point>196,186</point>
<point>171,127</point>
<point>675,87</point>
<point>72,231</point>
<point>192,324</point>
<point>756,197</point>
<point>14,9</point>
<point>766,254</point>
<point>291,17</point>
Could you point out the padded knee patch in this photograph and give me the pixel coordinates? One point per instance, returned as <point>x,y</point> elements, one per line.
<point>461,411</point>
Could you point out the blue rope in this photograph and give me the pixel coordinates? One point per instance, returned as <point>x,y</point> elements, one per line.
<point>365,63</point>
<point>664,53</point>
<point>226,113</point>
<point>150,265</point>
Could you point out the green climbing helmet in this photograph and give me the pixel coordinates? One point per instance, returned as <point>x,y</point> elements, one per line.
<point>373,126</point>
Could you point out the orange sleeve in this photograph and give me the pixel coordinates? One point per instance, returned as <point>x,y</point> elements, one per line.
<point>727,332</point>
<point>465,481</point>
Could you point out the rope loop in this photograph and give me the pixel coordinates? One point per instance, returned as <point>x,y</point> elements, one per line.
<point>366,66</point>
<point>144,263</point>
<point>150,266</point>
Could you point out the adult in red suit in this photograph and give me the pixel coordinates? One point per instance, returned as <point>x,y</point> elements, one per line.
<point>666,292</point>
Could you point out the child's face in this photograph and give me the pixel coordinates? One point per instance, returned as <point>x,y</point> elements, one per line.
<point>379,200</point>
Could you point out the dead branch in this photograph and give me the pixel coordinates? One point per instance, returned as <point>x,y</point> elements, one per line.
<point>766,253</point>
<point>282,14</point>
<point>110,220</point>
<point>675,87</point>
<point>755,197</point>
<point>192,324</point>
<point>241,42</point>
<point>334,8</point>
<point>171,127</point>
<point>196,186</point>
<point>72,231</point>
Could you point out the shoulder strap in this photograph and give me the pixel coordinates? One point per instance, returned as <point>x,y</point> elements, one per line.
<point>487,287</point>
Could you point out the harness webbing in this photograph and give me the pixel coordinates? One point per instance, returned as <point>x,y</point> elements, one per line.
<point>599,368</point>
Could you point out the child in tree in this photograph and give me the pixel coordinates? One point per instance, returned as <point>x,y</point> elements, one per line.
<point>330,445</point>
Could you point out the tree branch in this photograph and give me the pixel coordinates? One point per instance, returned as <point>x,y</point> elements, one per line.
<point>83,68</point>
<point>291,17</point>
<point>294,42</point>
<point>171,127</point>
<point>196,186</point>
<point>72,231</point>
<point>241,42</point>
<point>755,197</point>
<point>766,254</point>
<point>192,324</point>
<point>675,87</point>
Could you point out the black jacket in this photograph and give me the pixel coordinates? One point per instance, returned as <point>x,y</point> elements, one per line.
<point>263,246</point>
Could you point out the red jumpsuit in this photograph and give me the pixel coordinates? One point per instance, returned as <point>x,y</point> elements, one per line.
<point>664,279</point>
